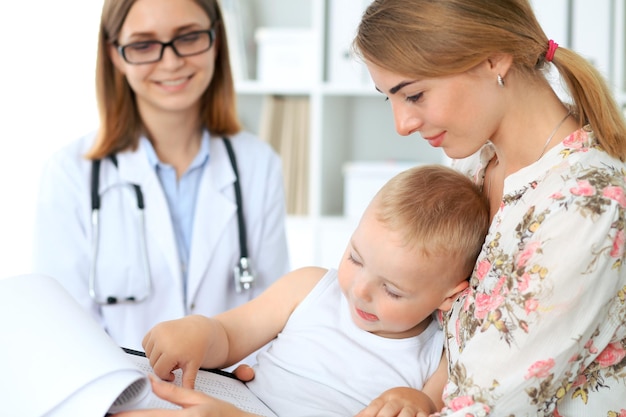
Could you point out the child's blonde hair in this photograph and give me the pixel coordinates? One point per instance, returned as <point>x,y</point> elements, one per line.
<point>437,210</point>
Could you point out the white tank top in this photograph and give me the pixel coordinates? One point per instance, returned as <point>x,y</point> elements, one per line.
<point>322,364</point>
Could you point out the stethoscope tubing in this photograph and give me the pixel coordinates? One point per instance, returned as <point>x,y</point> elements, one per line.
<point>95,239</point>
<point>244,278</point>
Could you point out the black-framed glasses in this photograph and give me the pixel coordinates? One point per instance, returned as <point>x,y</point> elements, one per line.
<point>147,52</point>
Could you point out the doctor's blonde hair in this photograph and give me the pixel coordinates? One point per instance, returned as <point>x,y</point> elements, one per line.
<point>437,210</point>
<point>120,122</point>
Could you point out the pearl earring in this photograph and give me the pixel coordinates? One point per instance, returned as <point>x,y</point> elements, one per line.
<point>500,81</point>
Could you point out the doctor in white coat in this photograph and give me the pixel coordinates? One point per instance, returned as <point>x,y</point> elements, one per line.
<point>166,100</point>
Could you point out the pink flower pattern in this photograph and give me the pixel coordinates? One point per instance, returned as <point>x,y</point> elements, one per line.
<point>615,193</point>
<point>486,303</point>
<point>527,253</point>
<point>460,402</point>
<point>611,355</point>
<point>584,189</point>
<point>576,140</point>
<point>531,305</point>
<point>524,282</point>
<point>618,244</point>
<point>580,381</point>
<point>590,347</point>
<point>482,269</point>
<point>514,291</point>
<point>540,369</point>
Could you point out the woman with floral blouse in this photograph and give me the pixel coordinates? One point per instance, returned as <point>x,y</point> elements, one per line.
<point>541,331</point>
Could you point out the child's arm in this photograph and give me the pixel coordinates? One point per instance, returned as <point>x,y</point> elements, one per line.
<point>409,401</point>
<point>435,384</point>
<point>198,341</point>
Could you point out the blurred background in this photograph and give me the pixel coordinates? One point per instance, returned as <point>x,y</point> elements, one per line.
<point>298,87</point>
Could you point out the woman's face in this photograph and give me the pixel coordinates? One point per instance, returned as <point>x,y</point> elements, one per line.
<point>173,84</point>
<point>456,113</point>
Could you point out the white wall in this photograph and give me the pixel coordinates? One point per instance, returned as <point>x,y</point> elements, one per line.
<point>46,100</point>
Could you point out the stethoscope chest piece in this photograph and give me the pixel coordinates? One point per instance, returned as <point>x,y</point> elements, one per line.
<point>244,277</point>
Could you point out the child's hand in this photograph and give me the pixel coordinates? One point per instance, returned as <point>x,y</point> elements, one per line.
<point>244,372</point>
<point>399,402</point>
<point>180,344</point>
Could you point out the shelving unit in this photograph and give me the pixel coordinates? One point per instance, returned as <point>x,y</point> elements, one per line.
<point>350,121</point>
<point>619,52</point>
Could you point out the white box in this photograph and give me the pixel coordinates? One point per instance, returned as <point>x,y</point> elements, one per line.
<point>285,55</point>
<point>344,68</point>
<point>362,180</point>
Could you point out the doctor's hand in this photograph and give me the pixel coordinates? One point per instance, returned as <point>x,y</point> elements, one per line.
<point>187,344</point>
<point>193,403</point>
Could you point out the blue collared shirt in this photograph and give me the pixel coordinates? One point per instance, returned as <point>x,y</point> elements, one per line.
<point>181,196</point>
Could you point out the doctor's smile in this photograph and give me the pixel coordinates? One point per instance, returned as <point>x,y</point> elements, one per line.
<point>174,85</point>
<point>175,82</point>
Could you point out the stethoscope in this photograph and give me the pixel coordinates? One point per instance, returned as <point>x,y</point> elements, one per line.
<point>243,274</point>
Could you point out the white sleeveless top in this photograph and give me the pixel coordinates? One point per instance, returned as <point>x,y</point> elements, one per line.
<point>322,364</point>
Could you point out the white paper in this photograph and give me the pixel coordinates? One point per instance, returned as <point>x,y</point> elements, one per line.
<point>56,359</point>
<point>216,385</point>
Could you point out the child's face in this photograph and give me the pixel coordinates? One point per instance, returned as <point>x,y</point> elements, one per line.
<point>392,289</point>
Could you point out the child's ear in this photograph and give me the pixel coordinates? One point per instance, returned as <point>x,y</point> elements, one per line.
<point>453,294</point>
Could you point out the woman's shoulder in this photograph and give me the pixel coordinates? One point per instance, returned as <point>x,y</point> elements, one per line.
<point>583,156</point>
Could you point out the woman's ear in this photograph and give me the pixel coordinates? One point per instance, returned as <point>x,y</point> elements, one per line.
<point>116,58</point>
<point>500,64</point>
<point>452,295</point>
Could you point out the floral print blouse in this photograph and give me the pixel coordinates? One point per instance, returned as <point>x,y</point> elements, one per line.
<point>541,330</point>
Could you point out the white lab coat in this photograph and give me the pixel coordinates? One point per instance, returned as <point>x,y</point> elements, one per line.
<point>63,234</point>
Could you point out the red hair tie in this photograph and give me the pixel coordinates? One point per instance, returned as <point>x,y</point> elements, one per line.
<point>551,50</point>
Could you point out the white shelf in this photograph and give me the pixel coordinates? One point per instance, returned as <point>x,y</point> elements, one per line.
<point>350,91</point>
<point>253,87</point>
<point>619,51</point>
<point>257,88</point>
